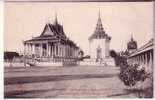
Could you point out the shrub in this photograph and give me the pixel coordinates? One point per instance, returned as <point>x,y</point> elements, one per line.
<point>130,74</point>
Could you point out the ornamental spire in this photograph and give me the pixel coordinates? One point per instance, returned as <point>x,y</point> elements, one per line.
<point>56,20</point>
<point>99,28</point>
<point>99,13</point>
<point>131,37</point>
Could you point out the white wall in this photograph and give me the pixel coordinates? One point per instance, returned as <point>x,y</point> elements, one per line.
<point>103,44</point>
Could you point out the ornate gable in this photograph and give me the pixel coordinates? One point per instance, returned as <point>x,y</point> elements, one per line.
<point>47,31</point>
<point>99,32</point>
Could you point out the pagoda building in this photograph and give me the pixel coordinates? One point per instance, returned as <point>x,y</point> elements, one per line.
<point>99,42</point>
<point>131,45</point>
<point>52,44</point>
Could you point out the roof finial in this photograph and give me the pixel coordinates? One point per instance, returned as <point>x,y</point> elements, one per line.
<point>99,13</point>
<point>131,37</point>
<point>47,21</point>
<point>56,20</point>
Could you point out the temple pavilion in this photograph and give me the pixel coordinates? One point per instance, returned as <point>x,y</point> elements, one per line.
<point>99,42</point>
<point>52,44</point>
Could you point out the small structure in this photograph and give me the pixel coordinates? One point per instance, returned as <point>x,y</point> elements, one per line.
<point>143,56</point>
<point>52,45</point>
<point>131,46</point>
<point>99,43</point>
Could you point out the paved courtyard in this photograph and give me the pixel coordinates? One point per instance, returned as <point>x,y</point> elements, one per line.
<point>64,82</point>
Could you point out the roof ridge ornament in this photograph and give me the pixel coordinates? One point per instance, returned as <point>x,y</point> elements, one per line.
<point>99,27</point>
<point>99,13</point>
<point>99,32</point>
<point>131,37</point>
<point>56,19</point>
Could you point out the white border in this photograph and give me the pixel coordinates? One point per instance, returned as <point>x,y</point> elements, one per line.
<point>2,67</point>
<point>1,49</point>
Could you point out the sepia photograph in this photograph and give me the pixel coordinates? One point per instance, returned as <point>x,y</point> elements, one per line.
<point>78,49</point>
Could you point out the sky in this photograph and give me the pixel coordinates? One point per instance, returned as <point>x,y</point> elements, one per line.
<point>120,20</point>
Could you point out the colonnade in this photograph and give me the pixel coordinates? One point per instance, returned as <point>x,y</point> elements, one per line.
<point>50,50</point>
<point>143,58</point>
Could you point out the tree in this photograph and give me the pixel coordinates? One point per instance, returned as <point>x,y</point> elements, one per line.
<point>80,55</point>
<point>10,55</point>
<point>113,54</point>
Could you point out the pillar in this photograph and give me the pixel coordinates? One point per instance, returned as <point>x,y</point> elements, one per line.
<point>34,49</point>
<point>58,47</point>
<point>55,49</point>
<point>146,59</point>
<point>151,59</point>
<point>27,51</point>
<point>52,51</point>
<point>41,49</point>
<point>143,59</point>
<point>64,50</point>
<point>24,48</point>
<point>47,50</point>
<point>31,49</point>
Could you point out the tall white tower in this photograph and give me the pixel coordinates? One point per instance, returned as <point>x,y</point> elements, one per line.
<point>99,42</point>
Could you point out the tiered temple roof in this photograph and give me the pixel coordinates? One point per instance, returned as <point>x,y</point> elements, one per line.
<point>144,48</point>
<point>99,32</point>
<point>132,44</point>
<point>52,32</point>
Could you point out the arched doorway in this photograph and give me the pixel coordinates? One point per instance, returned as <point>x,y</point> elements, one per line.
<point>99,54</point>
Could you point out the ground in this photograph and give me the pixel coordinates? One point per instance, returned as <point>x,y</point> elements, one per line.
<point>66,81</point>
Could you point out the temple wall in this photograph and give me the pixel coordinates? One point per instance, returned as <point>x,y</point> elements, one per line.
<point>103,44</point>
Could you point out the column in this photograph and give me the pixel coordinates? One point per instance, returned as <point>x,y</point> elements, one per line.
<point>143,60</point>
<point>59,50</point>
<point>69,51</point>
<point>66,51</point>
<point>47,49</point>
<point>151,58</point>
<point>140,59</point>
<point>24,49</point>
<point>73,52</point>
<point>50,51</point>
<point>62,50</point>
<point>55,50</point>
<point>31,49</point>
<point>34,49</point>
<point>41,49</point>
<point>146,59</point>
<point>28,49</point>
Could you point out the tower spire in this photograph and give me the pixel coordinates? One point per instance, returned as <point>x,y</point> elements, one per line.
<point>99,27</point>
<point>99,13</point>
<point>56,20</point>
<point>131,37</point>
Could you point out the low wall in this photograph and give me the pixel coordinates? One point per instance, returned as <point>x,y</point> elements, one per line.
<point>14,64</point>
<point>92,62</point>
<point>44,64</point>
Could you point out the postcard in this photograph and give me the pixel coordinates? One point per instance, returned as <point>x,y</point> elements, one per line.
<point>78,49</point>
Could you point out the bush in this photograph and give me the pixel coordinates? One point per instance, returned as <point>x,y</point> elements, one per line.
<point>130,74</point>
